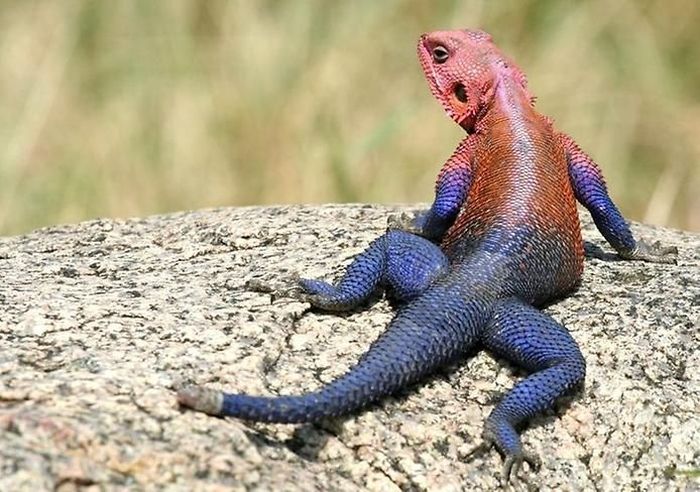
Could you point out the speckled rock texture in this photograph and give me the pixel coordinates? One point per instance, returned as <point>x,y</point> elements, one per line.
<point>100,320</point>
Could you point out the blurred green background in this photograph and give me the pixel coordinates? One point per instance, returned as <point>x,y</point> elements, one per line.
<point>135,107</point>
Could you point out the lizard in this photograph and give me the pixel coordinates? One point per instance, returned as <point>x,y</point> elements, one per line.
<point>501,239</point>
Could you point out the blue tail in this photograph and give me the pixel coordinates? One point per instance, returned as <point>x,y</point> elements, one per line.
<point>433,330</point>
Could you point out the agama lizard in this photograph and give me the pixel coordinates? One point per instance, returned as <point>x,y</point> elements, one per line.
<point>501,238</point>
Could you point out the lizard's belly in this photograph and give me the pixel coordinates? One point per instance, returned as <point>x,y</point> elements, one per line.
<point>540,259</point>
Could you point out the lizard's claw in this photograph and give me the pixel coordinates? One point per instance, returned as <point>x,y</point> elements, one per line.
<point>322,295</point>
<point>479,449</point>
<point>296,288</point>
<point>406,222</point>
<point>291,289</point>
<point>513,462</point>
<point>422,224</point>
<point>653,253</point>
<point>257,285</point>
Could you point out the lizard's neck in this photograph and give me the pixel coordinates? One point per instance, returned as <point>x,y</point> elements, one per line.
<point>507,97</point>
<point>510,98</point>
<point>514,160</point>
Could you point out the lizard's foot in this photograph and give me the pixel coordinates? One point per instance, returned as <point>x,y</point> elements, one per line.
<point>325,296</point>
<point>291,288</point>
<point>653,253</point>
<point>315,292</point>
<point>318,293</point>
<point>513,462</point>
<point>513,459</point>
<point>406,222</point>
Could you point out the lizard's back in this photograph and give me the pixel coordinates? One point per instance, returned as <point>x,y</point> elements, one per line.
<point>521,208</point>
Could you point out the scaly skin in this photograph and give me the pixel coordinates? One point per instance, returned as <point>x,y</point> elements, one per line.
<point>501,238</point>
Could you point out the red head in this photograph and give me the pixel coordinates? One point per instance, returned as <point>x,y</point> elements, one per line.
<point>462,68</point>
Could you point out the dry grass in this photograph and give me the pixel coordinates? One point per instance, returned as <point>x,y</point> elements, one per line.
<point>133,107</point>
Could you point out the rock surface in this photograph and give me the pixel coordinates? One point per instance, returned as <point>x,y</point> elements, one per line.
<point>100,320</point>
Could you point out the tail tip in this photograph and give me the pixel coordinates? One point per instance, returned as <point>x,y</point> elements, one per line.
<point>201,399</point>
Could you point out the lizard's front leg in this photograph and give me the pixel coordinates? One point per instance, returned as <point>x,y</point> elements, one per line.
<point>451,190</point>
<point>589,188</point>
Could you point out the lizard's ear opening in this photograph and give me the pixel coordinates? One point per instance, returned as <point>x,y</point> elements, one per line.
<point>463,105</point>
<point>460,93</point>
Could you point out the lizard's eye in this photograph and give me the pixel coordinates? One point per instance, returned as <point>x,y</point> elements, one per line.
<point>440,54</point>
<point>461,93</point>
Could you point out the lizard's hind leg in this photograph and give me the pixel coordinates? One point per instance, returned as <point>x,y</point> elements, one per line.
<point>533,340</point>
<point>402,261</point>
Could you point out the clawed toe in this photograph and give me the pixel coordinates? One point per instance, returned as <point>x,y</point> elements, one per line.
<point>653,253</point>
<point>257,285</point>
<point>665,250</point>
<point>660,254</point>
<point>402,222</point>
<point>513,462</point>
<point>291,288</point>
<point>479,449</point>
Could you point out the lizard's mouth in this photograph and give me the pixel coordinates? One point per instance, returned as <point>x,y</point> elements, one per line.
<point>432,77</point>
<point>427,66</point>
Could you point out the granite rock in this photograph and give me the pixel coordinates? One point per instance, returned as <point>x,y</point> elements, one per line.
<point>99,321</point>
